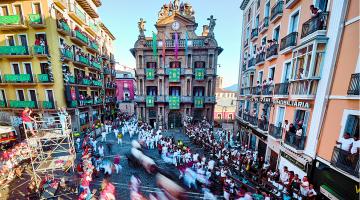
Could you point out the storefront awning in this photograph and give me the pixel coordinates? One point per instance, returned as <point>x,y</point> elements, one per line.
<point>300,160</point>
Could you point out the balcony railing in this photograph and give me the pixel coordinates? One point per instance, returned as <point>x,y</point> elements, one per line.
<point>314,24</point>
<point>67,54</point>
<point>297,142</point>
<point>275,131</point>
<point>346,161</point>
<point>94,46</point>
<point>304,87</point>
<point>246,117</point>
<point>260,58</point>
<point>47,104</point>
<point>281,89</point>
<point>264,25</point>
<point>63,27</point>
<point>44,78</point>
<point>245,91</point>
<point>14,50</point>
<point>210,99</point>
<point>106,70</point>
<point>251,62</point>
<point>272,51</point>
<point>10,22</point>
<point>18,78</point>
<point>171,43</point>
<point>254,33</point>
<point>277,10</point>
<point>97,83</point>
<point>256,90</point>
<point>22,104</point>
<point>96,65</point>
<point>36,20</point>
<point>80,38</point>
<point>263,125</point>
<point>83,60</point>
<point>267,89</point>
<point>354,85</point>
<point>288,41</point>
<point>40,50</point>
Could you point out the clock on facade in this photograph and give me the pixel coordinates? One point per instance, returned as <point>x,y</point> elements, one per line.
<point>175,25</point>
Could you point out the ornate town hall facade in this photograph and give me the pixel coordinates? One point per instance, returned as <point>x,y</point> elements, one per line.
<point>176,68</point>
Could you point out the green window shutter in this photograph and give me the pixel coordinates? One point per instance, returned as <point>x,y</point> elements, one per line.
<point>35,18</point>
<point>199,102</point>
<point>199,73</point>
<point>174,103</point>
<point>150,101</point>
<point>174,75</point>
<point>150,74</point>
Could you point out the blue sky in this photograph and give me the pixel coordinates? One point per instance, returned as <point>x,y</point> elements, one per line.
<point>121,17</point>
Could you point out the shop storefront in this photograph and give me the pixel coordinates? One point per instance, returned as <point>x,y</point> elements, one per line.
<point>298,163</point>
<point>333,184</point>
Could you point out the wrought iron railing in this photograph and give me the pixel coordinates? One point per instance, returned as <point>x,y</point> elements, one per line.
<point>288,41</point>
<point>251,62</point>
<point>297,142</point>
<point>277,10</point>
<point>304,87</point>
<point>346,161</point>
<point>260,57</point>
<point>354,85</point>
<point>316,23</point>
<point>254,32</point>
<point>272,51</point>
<point>275,131</point>
<point>264,24</point>
<point>281,89</point>
<point>263,125</point>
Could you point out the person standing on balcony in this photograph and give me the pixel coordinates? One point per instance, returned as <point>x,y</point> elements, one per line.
<point>285,127</point>
<point>346,142</point>
<point>292,131</point>
<point>27,120</point>
<point>299,134</point>
<point>355,148</point>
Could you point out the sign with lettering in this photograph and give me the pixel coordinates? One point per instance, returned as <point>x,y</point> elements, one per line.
<point>299,104</point>
<point>262,100</point>
<point>293,160</point>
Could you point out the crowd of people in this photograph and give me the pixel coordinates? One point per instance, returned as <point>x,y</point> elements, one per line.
<point>12,162</point>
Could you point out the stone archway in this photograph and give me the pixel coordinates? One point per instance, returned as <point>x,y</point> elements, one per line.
<point>174,119</point>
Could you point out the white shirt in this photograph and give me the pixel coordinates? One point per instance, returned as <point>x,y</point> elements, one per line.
<point>284,176</point>
<point>355,146</point>
<point>286,127</point>
<point>299,132</point>
<point>346,143</point>
<point>101,150</point>
<point>103,134</point>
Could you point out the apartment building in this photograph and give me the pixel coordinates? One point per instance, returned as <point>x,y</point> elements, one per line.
<point>180,79</point>
<point>125,91</point>
<point>289,60</point>
<point>55,53</point>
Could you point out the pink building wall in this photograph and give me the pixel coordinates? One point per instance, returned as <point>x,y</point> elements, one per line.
<point>224,115</point>
<point>120,88</point>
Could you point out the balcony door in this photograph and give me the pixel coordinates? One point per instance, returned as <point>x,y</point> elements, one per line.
<point>4,11</point>
<point>32,96</point>
<point>301,116</point>
<point>15,68</point>
<point>28,70</point>
<point>294,22</point>
<point>20,96</point>
<point>10,40</point>
<point>49,96</point>
<point>23,42</point>
<point>19,12</point>
<point>267,9</point>
<point>2,96</point>
<point>286,72</point>
<point>280,116</point>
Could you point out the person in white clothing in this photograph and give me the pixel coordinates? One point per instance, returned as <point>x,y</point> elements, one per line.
<point>101,150</point>
<point>116,131</point>
<point>103,136</point>
<point>355,149</point>
<point>78,141</point>
<point>284,175</point>
<point>345,142</point>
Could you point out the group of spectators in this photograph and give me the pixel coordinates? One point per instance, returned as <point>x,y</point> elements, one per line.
<point>243,173</point>
<point>12,163</point>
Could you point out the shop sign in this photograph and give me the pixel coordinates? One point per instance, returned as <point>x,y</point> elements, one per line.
<point>293,161</point>
<point>299,104</point>
<point>262,100</point>
<point>325,192</point>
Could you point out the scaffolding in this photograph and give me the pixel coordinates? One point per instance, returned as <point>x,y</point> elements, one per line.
<point>52,148</point>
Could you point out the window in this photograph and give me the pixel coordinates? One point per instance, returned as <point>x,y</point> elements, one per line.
<point>294,22</point>
<point>219,116</point>
<point>173,35</point>
<point>267,9</point>
<point>84,118</point>
<point>304,64</point>
<point>2,96</point>
<point>125,75</point>
<point>247,33</point>
<point>301,116</point>
<point>44,68</point>
<point>126,85</point>
<point>249,15</point>
<point>175,64</point>
<point>10,41</point>
<point>199,64</point>
<point>258,4</point>
<point>276,33</point>
<point>286,72</point>
<point>151,65</point>
<point>271,73</point>
<point>260,76</point>
<point>352,125</point>
<point>256,25</point>
<point>230,116</point>
<point>4,11</point>
<point>321,4</point>
<point>263,41</point>
<point>20,96</point>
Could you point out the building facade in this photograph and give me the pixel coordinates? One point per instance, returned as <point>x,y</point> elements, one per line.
<point>288,69</point>
<point>55,53</point>
<point>225,108</point>
<point>125,91</point>
<point>175,68</point>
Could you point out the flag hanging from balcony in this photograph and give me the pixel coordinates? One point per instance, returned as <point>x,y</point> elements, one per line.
<point>150,74</point>
<point>174,102</point>
<point>150,101</point>
<point>154,45</point>
<point>186,47</point>
<point>163,49</point>
<point>199,73</point>
<point>176,45</point>
<point>174,75</point>
<point>199,102</point>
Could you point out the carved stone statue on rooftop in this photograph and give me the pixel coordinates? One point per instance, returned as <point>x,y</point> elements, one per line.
<point>141,26</point>
<point>176,5</point>
<point>212,25</point>
<point>189,12</point>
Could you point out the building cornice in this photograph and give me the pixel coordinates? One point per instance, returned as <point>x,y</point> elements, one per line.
<point>244,3</point>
